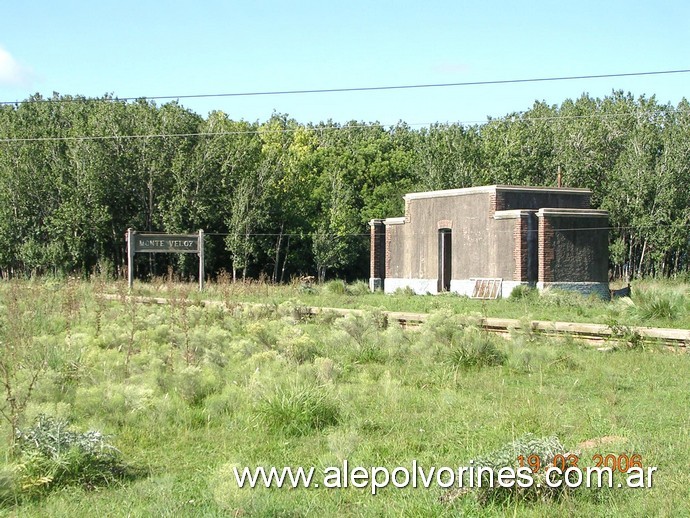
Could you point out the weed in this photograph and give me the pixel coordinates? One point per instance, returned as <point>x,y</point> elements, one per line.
<point>132,312</point>
<point>23,358</point>
<point>364,392</point>
<point>444,327</point>
<point>53,455</point>
<point>70,306</point>
<point>100,303</point>
<point>180,306</point>
<point>562,299</point>
<point>623,334</point>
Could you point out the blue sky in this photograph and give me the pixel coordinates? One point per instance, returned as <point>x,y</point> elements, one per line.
<point>145,48</point>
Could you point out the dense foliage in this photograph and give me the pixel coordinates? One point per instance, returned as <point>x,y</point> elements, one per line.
<point>281,197</point>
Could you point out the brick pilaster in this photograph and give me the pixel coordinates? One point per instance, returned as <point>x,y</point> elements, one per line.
<point>546,253</point>
<point>387,247</point>
<point>497,202</point>
<point>378,249</point>
<point>520,250</point>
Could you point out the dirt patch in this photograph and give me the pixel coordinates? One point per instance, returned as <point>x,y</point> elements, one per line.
<point>599,441</point>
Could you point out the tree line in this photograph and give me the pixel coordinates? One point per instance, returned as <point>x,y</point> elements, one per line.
<point>280,197</point>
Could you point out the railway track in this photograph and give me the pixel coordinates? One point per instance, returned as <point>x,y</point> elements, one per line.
<point>592,333</point>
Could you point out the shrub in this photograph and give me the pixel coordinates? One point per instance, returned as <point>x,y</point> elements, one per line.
<point>446,328</point>
<point>300,349</point>
<point>53,455</point>
<point>299,409</point>
<point>327,370</point>
<point>194,384</point>
<point>294,310</point>
<point>404,292</point>
<point>225,402</point>
<point>359,288</point>
<point>336,286</point>
<point>357,327</point>
<point>523,292</point>
<point>527,448</point>
<point>563,299</point>
<point>326,318</point>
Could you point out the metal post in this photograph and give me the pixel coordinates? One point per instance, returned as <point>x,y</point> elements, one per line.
<point>130,257</point>
<point>201,260</point>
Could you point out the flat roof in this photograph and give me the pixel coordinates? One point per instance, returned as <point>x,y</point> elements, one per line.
<point>491,189</point>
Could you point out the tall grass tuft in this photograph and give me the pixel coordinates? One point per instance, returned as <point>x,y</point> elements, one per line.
<point>659,304</point>
<point>475,349</point>
<point>299,409</point>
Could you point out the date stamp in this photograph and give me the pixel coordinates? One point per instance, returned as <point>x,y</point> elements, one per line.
<point>622,463</point>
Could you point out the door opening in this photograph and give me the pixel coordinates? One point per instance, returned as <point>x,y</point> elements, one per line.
<point>445,258</point>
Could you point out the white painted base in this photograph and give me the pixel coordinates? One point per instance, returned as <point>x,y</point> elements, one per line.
<point>509,286</point>
<point>430,286</point>
<point>462,287</point>
<point>585,288</point>
<point>375,283</point>
<point>419,286</point>
<point>466,286</point>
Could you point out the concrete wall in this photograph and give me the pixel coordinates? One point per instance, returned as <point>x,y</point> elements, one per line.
<point>494,235</point>
<point>481,246</point>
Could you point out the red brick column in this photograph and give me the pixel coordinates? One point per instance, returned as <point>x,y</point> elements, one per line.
<point>520,248</point>
<point>546,254</point>
<point>378,254</point>
<point>497,202</point>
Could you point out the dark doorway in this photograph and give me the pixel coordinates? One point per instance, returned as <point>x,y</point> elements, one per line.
<point>445,258</point>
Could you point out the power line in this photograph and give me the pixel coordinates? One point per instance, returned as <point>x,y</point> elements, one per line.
<point>366,88</point>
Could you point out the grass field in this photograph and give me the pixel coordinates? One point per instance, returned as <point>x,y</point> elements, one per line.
<point>186,393</point>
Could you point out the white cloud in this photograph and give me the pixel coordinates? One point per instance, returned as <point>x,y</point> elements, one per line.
<point>13,73</point>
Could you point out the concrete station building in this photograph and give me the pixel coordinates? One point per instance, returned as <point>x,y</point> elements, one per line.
<point>485,241</point>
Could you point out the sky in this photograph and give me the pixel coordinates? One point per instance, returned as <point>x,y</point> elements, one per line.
<point>144,48</point>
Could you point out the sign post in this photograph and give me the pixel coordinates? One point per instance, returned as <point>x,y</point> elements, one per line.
<point>149,243</point>
<point>201,260</point>
<point>130,257</point>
